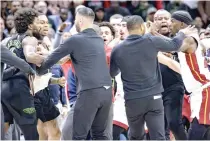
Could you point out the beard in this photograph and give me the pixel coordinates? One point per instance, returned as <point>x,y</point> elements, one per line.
<point>37,34</point>
<point>78,29</point>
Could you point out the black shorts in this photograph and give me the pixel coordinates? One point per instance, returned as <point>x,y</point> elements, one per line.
<point>45,108</point>
<point>17,102</point>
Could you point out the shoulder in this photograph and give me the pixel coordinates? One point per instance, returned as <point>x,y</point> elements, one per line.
<point>29,40</point>
<point>5,41</point>
<point>116,49</point>
<point>191,40</point>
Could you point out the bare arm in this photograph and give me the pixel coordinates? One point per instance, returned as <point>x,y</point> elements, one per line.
<point>64,49</point>
<point>29,48</point>
<point>169,62</point>
<point>189,43</point>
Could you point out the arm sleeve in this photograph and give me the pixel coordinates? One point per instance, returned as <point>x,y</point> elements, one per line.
<point>60,52</point>
<point>114,70</point>
<point>10,59</point>
<point>9,72</point>
<point>167,45</point>
<point>57,40</point>
<point>62,90</point>
<point>72,82</point>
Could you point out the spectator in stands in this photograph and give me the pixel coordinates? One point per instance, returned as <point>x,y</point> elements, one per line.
<point>115,8</point>
<point>191,6</point>
<point>198,23</point>
<point>53,7</point>
<point>63,16</point>
<point>51,34</point>
<point>2,27</point>
<point>173,6</point>
<point>28,3</point>
<point>15,5</point>
<point>150,13</point>
<point>115,21</point>
<point>93,4</point>
<point>204,10</point>
<point>100,14</point>
<point>9,24</point>
<point>139,8</point>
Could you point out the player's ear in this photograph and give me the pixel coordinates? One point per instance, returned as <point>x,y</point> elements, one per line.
<point>142,28</point>
<point>30,26</point>
<point>182,25</point>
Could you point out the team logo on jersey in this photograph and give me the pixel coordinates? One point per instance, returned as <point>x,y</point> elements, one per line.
<point>29,110</point>
<point>14,43</point>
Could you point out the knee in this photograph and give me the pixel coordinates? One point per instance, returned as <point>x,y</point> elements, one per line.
<point>55,132</point>
<point>174,124</point>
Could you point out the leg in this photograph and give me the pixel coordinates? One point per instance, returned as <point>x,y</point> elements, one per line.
<point>102,124</point>
<point>135,118</point>
<point>68,126</point>
<point>186,123</point>
<point>8,134</point>
<point>109,128</point>
<point>6,116</point>
<point>2,123</point>
<point>167,130</point>
<point>89,112</point>
<point>30,131</point>
<point>41,130</point>
<point>116,132</point>
<point>173,111</point>
<point>16,132</point>
<point>47,112</point>
<point>207,134</point>
<point>155,118</point>
<point>197,131</point>
<point>53,130</point>
<point>84,112</point>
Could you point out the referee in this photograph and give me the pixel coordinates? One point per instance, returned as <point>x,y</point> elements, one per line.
<point>136,59</point>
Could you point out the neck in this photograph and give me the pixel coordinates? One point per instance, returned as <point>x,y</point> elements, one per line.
<point>86,27</point>
<point>166,34</point>
<point>35,34</point>
<point>135,32</point>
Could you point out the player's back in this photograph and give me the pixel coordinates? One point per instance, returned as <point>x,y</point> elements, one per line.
<point>137,60</point>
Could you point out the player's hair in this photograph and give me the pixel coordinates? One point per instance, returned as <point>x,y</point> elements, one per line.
<point>162,10</point>
<point>107,24</point>
<point>23,18</point>
<point>133,22</point>
<point>125,19</point>
<point>116,16</point>
<point>87,12</point>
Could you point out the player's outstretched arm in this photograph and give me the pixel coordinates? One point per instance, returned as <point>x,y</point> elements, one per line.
<point>8,58</point>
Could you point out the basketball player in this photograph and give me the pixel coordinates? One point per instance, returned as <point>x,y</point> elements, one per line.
<point>47,112</point>
<point>196,78</point>
<point>8,58</point>
<point>16,88</point>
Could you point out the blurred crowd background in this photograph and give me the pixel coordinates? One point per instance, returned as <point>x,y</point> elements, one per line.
<point>63,11</point>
